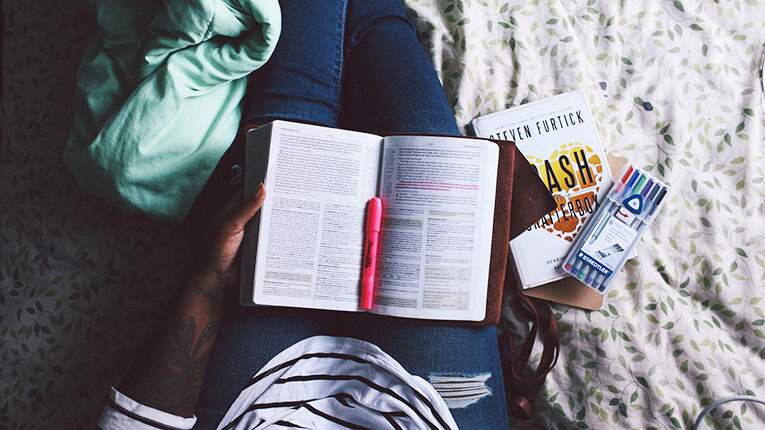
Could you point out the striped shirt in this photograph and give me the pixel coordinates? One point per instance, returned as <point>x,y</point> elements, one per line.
<point>319,383</point>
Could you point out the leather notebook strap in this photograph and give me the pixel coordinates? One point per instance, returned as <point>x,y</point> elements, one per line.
<point>521,383</point>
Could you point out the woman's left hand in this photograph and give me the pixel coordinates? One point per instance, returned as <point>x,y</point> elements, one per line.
<point>219,262</point>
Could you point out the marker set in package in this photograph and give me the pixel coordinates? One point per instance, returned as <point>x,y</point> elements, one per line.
<point>600,251</point>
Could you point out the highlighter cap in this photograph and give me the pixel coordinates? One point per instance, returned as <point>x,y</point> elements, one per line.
<point>374,215</point>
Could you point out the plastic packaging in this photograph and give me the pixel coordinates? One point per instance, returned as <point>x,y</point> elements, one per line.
<point>609,237</point>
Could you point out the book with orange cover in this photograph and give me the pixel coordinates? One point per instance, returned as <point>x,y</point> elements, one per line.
<point>558,137</point>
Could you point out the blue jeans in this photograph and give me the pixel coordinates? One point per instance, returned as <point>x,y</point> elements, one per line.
<point>350,63</point>
<point>249,338</point>
<point>356,64</point>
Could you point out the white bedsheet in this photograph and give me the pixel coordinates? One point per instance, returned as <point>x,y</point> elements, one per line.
<point>675,86</point>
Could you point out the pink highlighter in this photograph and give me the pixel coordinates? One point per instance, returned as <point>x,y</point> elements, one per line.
<point>372,227</point>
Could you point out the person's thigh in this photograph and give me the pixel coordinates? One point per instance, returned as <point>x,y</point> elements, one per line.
<point>247,340</point>
<point>461,362</point>
<point>302,79</point>
<point>389,83</point>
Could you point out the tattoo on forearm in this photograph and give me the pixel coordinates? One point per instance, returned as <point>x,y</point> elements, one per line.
<point>173,380</point>
<point>214,295</point>
<point>186,361</point>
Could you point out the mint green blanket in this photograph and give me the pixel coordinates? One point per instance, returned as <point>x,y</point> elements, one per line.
<point>158,97</point>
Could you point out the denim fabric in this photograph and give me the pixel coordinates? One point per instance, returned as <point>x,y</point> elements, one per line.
<point>355,64</point>
<point>434,349</point>
<point>302,81</point>
<point>251,337</point>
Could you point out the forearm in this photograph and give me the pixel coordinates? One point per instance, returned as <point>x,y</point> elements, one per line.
<point>168,375</point>
<point>170,371</point>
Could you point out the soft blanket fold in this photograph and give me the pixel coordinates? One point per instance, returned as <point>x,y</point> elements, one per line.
<point>158,97</point>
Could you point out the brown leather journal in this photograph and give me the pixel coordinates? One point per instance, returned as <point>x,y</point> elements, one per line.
<point>521,200</point>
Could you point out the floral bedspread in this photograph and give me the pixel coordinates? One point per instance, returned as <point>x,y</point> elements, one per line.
<point>675,85</point>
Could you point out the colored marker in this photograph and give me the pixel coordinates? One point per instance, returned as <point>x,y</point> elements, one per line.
<point>632,180</point>
<point>578,267</point>
<point>653,193</point>
<point>603,220</point>
<point>649,192</point>
<point>591,277</point>
<point>623,185</point>
<point>583,273</point>
<point>634,185</point>
<point>658,201</point>
<point>372,228</point>
<point>639,186</point>
<point>620,184</point>
<point>647,189</point>
<point>639,224</point>
<point>575,265</point>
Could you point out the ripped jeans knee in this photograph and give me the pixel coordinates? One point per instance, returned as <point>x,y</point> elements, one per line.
<point>461,390</point>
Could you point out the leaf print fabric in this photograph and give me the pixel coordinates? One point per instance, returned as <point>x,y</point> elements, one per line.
<point>676,87</point>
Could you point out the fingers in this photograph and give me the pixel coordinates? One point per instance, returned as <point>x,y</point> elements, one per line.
<point>241,214</point>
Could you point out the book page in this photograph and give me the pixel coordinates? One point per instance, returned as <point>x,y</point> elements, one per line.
<point>318,181</point>
<point>439,195</point>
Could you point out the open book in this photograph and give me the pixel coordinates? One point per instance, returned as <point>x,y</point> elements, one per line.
<point>305,247</point>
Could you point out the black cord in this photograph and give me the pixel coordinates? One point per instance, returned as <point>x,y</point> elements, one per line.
<point>719,402</point>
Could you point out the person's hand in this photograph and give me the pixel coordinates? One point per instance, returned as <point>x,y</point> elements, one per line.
<point>219,261</point>
<point>169,373</point>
